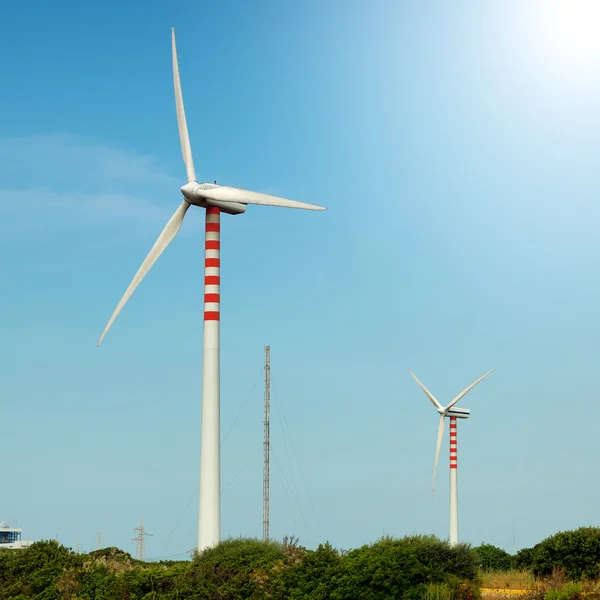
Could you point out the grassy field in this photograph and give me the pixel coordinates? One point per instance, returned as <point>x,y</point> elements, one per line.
<point>508,580</point>
<point>522,584</point>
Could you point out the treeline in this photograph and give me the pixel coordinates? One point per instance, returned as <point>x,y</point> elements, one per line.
<point>411,568</point>
<point>576,552</point>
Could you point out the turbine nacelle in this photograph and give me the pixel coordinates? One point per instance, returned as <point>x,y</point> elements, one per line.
<point>195,193</point>
<point>455,411</point>
<point>231,208</point>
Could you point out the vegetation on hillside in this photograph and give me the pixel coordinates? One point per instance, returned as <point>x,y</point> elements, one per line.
<point>576,552</point>
<point>408,568</point>
<point>565,566</point>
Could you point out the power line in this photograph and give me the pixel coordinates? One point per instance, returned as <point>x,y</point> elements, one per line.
<point>241,409</point>
<point>296,457</point>
<point>156,558</point>
<point>267,442</point>
<point>181,517</point>
<point>285,443</point>
<point>293,487</point>
<point>222,443</point>
<point>291,491</point>
<point>287,499</point>
<point>240,471</point>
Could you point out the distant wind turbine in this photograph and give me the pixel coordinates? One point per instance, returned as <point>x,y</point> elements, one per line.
<point>453,413</point>
<point>215,199</point>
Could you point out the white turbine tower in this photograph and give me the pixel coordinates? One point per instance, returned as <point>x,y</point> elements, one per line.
<point>453,413</point>
<point>215,199</point>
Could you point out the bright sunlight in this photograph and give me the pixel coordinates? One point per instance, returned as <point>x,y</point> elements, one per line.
<point>570,31</point>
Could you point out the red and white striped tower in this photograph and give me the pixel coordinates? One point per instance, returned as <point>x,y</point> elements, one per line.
<point>214,199</point>
<point>209,523</point>
<point>453,483</point>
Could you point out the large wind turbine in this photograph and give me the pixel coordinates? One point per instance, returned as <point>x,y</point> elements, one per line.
<point>215,199</point>
<point>452,412</point>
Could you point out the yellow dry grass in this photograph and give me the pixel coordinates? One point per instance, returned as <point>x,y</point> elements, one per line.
<point>501,593</point>
<point>522,584</point>
<point>493,593</point>
<point>509,580</point>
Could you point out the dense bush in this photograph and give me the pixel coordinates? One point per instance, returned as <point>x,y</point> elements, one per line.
<point>33,571</point>
<point>402,568</point>
<point>311,574</point>
<point>408,568</point>
<point>524,559</point>
<point>492,558</point>
<point>577,552</point>
<point>569,591</point>
<point>236,568</point>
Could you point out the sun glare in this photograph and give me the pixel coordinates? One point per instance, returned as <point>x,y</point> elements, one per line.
<point>571,31</point>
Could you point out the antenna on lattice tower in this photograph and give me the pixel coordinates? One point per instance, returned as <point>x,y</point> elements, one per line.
<point>140,551</point>
<point>267,443</point>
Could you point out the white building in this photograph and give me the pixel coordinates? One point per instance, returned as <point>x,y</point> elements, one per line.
<point>10,538</point>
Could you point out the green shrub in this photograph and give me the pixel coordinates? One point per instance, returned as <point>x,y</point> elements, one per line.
<point>492,558</point>
<point>402,568</point>
<point>570,591</point>
<point>578,552</point>
<point>236,568</point>
<point>412,568</point>
<point>524,559</point>
<point>442,560</point>
<point>311,574</point>
<point>35,570</point>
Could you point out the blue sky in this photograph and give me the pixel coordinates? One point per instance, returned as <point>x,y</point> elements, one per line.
<point>455,147</point>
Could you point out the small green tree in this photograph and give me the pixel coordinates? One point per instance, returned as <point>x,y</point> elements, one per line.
<point>524,559</point>
<point>235,568</point>
<point>312,575</point>
<point>492,558</point>
<point>577,552</point>
<point>402,568</point>
<point>34,571</point>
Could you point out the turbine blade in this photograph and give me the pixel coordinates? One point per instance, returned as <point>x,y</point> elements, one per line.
<point>437,451</point>
<point>164,239</point>
<point>426,391</point>
<point>184,137</point>
<point>466,390</point>
<point>229,194</point>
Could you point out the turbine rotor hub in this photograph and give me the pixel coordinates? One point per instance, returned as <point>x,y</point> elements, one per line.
<point>189,192</point>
